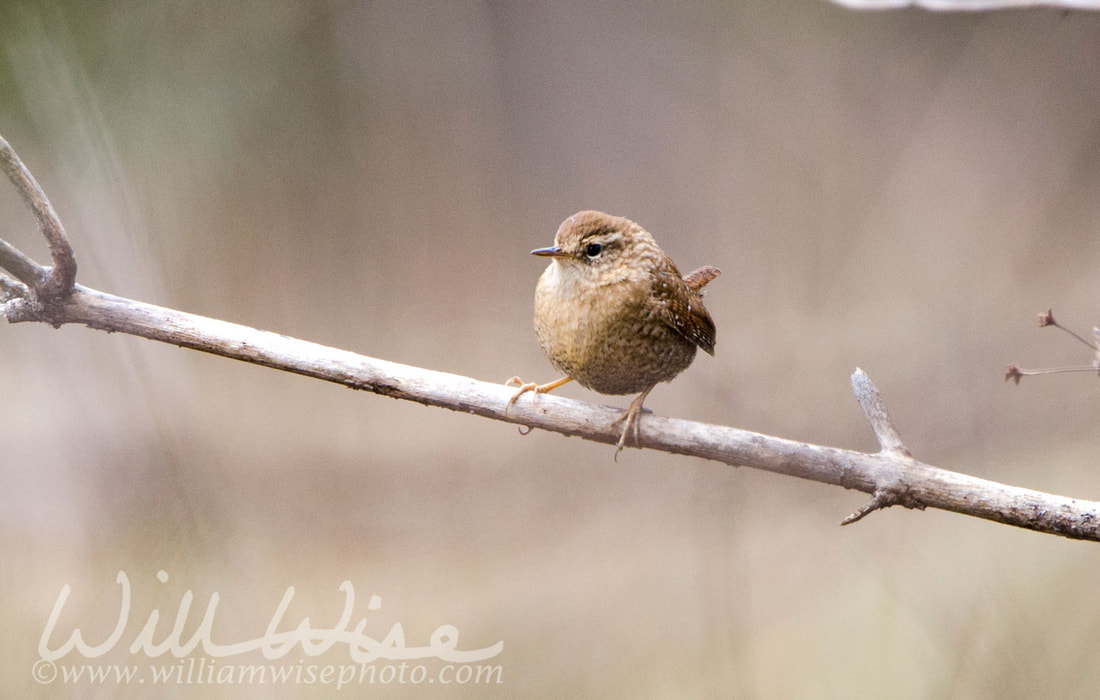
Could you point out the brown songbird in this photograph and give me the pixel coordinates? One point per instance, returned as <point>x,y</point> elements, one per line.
<point>614,313</point>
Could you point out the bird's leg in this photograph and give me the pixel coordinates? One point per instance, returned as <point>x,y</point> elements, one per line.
<point>630,420</point>
<point>524,387</point>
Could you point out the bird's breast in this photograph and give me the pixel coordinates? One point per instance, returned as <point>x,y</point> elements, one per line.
<point>608,336</point>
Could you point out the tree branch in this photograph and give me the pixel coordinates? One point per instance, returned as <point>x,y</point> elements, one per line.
<point>46,283</point>
<point>892,476</point>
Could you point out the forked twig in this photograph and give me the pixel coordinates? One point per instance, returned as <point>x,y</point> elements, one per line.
<point>48,284</point>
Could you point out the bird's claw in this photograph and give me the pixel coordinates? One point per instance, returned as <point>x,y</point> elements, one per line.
<point>630,421</point>
<point>524,387</point>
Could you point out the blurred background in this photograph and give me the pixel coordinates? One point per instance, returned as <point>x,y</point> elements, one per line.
<point>898,191</point>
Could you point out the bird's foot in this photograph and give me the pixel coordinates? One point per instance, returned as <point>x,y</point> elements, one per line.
<point>525,387</point>
<point>629,419</point>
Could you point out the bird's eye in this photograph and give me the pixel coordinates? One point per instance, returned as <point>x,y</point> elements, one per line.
<point>593,250</point>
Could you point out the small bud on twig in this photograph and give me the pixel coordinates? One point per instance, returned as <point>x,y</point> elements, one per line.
<point>1046,318</point>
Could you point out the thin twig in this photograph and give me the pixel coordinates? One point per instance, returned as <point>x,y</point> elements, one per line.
<point>1015,372</point>
<point>58,282</point>
<point>12,289</point>
<point>875,410</point>
<point>22,267</point>
<point>1047,319</point>
<point>893,487</point>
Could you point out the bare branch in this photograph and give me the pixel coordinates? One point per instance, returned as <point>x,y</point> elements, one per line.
<point>23,268</point>
<point>883,498</point>
<point>893,488</point>
<point>11,289</point>
<point>873,407</point>
<point>892,476</point>
<point>47,283</point>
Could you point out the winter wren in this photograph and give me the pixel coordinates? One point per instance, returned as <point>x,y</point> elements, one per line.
<point>613,312</point>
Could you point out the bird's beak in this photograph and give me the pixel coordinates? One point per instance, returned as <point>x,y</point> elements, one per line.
<point>551,252</point>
